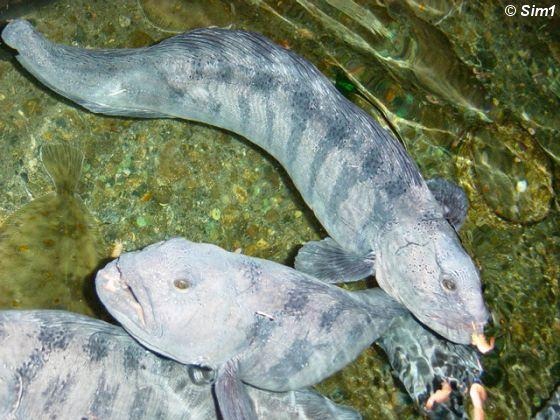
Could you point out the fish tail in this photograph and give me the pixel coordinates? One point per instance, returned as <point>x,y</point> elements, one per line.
<point>63,163</point>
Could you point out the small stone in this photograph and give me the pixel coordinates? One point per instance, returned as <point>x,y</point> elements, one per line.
<point>215,214</point>
<point>262,244</point>
<point>521,186</point>
<point>240,194</point>
<point>124,21</point>
<point>141,221</point>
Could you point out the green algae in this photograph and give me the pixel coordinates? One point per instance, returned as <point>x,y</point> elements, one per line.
<point>472,94</point>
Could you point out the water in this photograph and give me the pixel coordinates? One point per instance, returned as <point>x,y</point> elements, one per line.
<point>472,93</point>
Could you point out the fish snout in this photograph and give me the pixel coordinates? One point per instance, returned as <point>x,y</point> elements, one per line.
<point>109,278</point>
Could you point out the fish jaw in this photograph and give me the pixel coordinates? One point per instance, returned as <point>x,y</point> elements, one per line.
<point>440,323</point>
<point>125,300</point>
<point>460,333</point>
<point>411,274</point>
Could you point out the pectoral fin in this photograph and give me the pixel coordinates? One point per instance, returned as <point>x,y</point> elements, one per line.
<point>315,406</point>
<point>327,261</point>
<point>452,198</point>
<point>233,400</point>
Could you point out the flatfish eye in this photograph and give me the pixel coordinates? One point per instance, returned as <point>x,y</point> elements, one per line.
<point>181,284</point>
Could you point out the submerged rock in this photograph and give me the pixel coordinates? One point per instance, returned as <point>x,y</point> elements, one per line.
<point>512,173</point>
<point>49,248</point>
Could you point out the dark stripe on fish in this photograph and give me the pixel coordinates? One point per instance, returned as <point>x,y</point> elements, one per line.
<point>303,110</point>
<point>140,403</point>
<point>335,133</point>
<point>269,123</point>
<point>56,392</point>
<point>244,109</point>
<point>105,396</point>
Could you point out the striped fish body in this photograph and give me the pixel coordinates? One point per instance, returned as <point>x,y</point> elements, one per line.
<point>56,364</point>
<point>348,169</point>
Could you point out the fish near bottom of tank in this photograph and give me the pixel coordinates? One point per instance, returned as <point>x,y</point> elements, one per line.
<point>250,320</point>
<point>279,329</point>
<point>50,247</point>
<point>58,364</point>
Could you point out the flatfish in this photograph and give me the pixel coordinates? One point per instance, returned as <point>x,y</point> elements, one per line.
<point>49,248</point>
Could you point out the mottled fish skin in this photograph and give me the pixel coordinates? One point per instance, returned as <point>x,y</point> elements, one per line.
<point>356,177</point>
<point>50,247</point>
<point>286,329</point>
<point>55,364</point>
<point>422,362</point>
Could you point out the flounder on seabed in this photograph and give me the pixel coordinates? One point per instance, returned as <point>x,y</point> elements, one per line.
<point>49,248</point>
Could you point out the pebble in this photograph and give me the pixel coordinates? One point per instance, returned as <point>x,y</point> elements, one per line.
<point>124,21</point>
<point>141,221</point>
<point>521,186</point>
<point>215,214</point>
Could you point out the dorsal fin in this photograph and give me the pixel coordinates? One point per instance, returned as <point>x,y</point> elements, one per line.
<point>63,163</point>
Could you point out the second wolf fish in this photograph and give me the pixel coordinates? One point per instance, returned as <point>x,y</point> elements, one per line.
<point>382,217</point>
<point>257,322</point>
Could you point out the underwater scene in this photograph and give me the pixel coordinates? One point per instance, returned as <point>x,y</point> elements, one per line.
<point>470,88</point>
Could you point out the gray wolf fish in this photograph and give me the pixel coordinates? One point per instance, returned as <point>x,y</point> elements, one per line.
<point>249,320</point>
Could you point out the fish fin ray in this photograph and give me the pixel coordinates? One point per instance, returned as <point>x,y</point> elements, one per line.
<point>63,163</point>
<point>316,406</point>
<point>452,199</point>
<point>327,261</point>
<point>98,108</point>
<point>233,399</point>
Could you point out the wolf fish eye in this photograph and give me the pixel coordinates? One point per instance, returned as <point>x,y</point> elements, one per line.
<point>449,284</point>
<point>181,284</point>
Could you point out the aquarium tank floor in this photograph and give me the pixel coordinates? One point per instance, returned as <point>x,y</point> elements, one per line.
<point>472,93</point>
